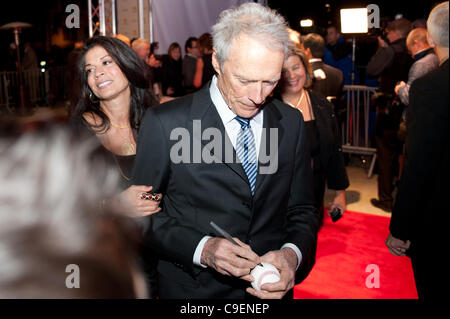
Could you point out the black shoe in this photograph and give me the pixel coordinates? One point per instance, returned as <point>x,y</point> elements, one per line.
<point>383,205</point>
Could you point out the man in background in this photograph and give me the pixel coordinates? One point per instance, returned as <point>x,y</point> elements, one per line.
<point>391,64</point>
<point>425,60</point>
<point>424,187</point>
<point>190,63</point>
<point>338,54</point>
<point>327,80</point>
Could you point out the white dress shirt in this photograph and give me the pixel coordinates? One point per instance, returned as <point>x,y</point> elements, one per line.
<point>232,128</point>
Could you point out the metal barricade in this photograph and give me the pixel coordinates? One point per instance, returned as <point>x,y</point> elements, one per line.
<point>40,87</point>
<point>358,100</point>
<point>8,95</point>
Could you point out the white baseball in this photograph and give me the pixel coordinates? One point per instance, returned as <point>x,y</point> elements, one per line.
<point>267,273</point>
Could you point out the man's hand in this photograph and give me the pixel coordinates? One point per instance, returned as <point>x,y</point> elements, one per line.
<point>153,62</point>
<point>229,259</point>
<point>398,86</point>
<point>285,261</point>
<point>397,246</point>
<point>382,43</point>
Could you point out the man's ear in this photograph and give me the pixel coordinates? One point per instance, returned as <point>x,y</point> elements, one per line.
<point>308,53</point>
<point>215,63</point>
<point>430,40</point>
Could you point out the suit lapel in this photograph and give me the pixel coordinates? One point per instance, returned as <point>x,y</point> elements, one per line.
<point>204,110</point>
<point>271,128</point>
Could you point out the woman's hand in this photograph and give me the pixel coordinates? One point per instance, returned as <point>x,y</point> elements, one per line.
<point>129,202</point>
<point>338,202</point>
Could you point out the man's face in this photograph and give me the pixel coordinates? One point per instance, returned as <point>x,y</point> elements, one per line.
<point>143,51</point>
<point>195,49</point>
<point>393,35</point>
<point>332,36</point>
<point>249,75</point>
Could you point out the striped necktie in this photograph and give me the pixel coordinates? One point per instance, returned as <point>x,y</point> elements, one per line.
<point>246,151</point>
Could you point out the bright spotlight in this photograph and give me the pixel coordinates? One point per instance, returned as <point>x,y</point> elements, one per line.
<point>354,20</point>
<point>307,23</point>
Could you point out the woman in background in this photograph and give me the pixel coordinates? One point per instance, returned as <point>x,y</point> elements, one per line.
<point>321,127</point>
<point>171,72</point>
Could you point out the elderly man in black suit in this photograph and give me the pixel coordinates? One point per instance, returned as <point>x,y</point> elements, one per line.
<point>223,154</point>
<point>424,184</point>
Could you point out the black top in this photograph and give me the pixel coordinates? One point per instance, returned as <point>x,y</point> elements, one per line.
<point>124,164</point>
<point>330,156</point>
<point>326,142</point>
<point>171,76</point>
<point>314,143</point>
<point>208,69</point>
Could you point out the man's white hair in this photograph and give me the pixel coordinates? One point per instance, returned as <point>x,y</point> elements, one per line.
<point>253,20</point>
<point>139,43</point>
<point>437,24</point>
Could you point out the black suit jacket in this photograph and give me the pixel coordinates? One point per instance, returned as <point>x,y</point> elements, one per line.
<point>421,198</point>
<point>333,83</point>
<point>281,211</point>
<point>331,159</point>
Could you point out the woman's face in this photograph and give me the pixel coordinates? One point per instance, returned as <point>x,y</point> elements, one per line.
<point>104,76</point>
<point>175,53</point>
<point>293,75</point>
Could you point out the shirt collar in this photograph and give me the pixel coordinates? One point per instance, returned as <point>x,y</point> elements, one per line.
<point>419,55</point>
<point>191,55</point>
<point>225,113</point>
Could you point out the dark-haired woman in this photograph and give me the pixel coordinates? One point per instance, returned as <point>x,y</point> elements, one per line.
<point>171,72</point>
<point>114,95</point>
<point>113,99</point>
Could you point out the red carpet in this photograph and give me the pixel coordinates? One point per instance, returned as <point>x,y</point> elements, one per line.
<point>345,250</point>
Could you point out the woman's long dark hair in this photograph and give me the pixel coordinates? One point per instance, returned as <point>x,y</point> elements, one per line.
<point>134,69</point>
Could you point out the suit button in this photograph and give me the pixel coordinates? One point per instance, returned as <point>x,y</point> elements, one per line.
<point>332,115</point>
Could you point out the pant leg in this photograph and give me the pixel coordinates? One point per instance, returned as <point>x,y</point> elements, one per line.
<point>319,194</point>
<point>420,274</point>
<point>385,159</point>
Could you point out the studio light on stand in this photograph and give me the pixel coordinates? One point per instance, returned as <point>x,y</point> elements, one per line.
<point>354,21</point>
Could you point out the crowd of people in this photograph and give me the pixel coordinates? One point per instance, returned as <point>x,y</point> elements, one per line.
<point>268,104</point>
